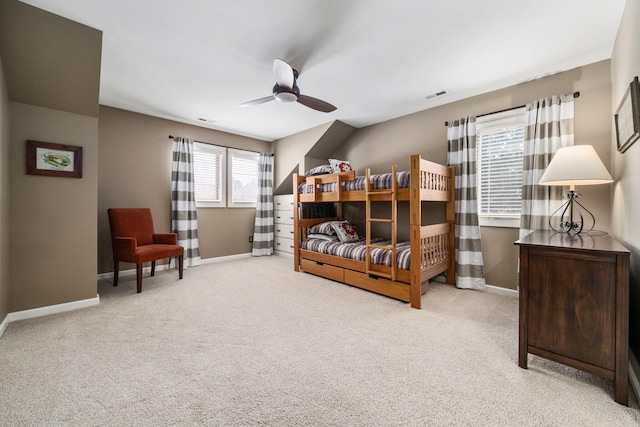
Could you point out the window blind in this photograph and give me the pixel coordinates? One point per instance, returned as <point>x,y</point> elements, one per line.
<point>500,144</point>
<point>208,170</point>
<point>244,177</point>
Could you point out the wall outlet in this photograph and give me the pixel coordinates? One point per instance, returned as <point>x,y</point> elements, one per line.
<point>250,239</point>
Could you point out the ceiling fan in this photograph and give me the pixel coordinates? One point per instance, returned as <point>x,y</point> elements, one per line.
<point>286,90</point>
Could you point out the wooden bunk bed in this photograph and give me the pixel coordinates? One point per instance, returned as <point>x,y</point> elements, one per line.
<point>432,247</point>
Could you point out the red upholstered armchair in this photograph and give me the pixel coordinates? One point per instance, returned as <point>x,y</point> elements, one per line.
<point>134,240</point>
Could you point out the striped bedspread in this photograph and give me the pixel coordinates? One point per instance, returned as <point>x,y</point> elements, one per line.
<point>357,250</point>
<point>378,182</point>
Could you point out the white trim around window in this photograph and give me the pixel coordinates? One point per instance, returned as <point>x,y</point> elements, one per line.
<point>225,177</point>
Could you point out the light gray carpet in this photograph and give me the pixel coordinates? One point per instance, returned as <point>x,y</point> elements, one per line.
<point>252,343</point>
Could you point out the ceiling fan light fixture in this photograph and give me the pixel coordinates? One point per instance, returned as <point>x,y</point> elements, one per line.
<point>285,96</point>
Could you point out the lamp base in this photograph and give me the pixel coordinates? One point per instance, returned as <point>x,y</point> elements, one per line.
<point>571,218</point>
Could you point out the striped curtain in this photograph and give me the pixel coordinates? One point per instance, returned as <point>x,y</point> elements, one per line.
<point>184,216</point>
<point>263,228</point>
<point>461,136</point>
<point>549,124</point>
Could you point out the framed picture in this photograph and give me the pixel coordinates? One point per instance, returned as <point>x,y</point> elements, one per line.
<point>49,159</point>
<point>627,117</point>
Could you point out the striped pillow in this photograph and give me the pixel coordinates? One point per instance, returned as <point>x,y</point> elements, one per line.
<point>322,228</point>
<point>319,170</point>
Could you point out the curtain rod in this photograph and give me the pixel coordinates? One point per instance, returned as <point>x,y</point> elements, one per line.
<point>575,95</point>
<point>171,137</point>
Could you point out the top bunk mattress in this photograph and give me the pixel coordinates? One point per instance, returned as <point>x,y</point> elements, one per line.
<point>378,182</point>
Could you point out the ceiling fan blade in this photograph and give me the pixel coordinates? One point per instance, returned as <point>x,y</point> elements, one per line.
<point>283,73</point>
<point>257,101</point>
<point>316,104</point>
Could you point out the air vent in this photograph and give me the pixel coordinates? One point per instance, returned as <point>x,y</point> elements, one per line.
<point>202,119</point>
<point>437,94</point>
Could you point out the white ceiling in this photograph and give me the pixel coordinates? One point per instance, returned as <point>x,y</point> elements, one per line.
<point>373,59</point>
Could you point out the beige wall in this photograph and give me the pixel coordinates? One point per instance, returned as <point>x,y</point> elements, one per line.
<point>302,151</point>
<point>51,68</point>
<point>625,65</point>
<point>4,197</point>
<point>424,133</point>
<point>49,61</point>
<point>135,171</point>
<point>289,156</point>
<point>53,220</point>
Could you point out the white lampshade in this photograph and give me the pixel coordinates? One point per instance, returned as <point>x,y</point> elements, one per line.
<point>576,165</point>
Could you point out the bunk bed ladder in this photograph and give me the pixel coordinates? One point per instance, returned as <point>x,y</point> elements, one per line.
<point>392,196</point>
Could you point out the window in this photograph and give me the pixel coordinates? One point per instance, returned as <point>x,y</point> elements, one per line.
<point>500,144</point>
<point>225,177</point>
<point>243,178</point>
<point>209,171</point>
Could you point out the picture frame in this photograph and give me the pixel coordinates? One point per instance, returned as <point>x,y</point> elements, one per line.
<point>50,159</point>
<point>627,117</point>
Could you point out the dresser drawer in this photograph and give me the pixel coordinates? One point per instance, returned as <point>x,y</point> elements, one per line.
<point>283,217</point>
<point>284,230</point>
<point>283,244</point>
<point>283,202</point>
<point>324,270</point>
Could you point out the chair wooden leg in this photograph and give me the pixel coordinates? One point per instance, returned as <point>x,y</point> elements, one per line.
<point>180,266</point>
<point>139,276</point>
<point>153,268</point>
<point>116,270</point>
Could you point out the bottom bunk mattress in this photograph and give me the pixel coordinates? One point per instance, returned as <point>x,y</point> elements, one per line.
<point>358,251</point>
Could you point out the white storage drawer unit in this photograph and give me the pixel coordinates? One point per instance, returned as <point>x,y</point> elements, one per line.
<point>283,211</point>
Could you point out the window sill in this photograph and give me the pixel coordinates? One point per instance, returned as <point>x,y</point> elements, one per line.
<point>499,222</point>
<point>200,205</point>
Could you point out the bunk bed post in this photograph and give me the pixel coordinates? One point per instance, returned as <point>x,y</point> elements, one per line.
<point>415,215</point>
<point>451,220</point>
<point>296,224</point>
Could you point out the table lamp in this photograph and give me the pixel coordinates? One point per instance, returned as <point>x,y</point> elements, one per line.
<point>574,165</point>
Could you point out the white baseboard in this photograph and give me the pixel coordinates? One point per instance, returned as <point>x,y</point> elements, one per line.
<point>225,258</point>
<point>45,311</point>
<point>132,272</point>
<point>502,291</point>
<point>147,270</point>
<point>488,288</point>
<point>53,309</point>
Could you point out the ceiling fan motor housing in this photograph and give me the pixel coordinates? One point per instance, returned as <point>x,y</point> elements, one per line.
<point>285,94</point>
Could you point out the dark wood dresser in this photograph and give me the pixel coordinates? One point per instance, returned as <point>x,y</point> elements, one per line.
<point>574,303</point>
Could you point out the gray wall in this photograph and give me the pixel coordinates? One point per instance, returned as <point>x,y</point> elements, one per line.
<point>625,202</point>
<point>379,146</point>
<point>49,61</point>
<point>49,235</point>
<point>53,229</point>
<point>135,171</point>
